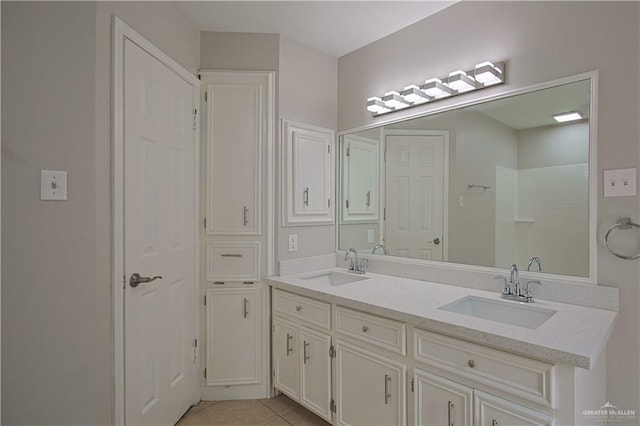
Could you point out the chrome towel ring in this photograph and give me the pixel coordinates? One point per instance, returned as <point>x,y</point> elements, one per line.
<point>624,223</point>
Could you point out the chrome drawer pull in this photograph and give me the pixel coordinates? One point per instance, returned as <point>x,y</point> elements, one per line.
<point>246,307</point>
<point>368,198</point>
<point>387,395</point>
<point>245,215</point>
<point>305,357</point>
<point>231,255</point>
<point>305,197</point>
<point>298,308</point>
<point>289,349</point>
<point>471,363</point>
<point>450,413</point>
<point>365,328</point>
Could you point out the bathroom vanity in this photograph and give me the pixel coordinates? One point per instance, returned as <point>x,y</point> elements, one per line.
<point>379,349</point>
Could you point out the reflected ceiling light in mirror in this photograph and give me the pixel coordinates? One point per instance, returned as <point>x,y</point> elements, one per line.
<point>376,105</point>
<point>460,81</point>
<point>395,101</point>
<point>436,88</point>
<point>568,116</point>
<point>415,95</point>
<point>488,74</point>
<point>483,75</point>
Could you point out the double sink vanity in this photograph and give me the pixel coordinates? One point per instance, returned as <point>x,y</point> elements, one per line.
<point>370,348</point>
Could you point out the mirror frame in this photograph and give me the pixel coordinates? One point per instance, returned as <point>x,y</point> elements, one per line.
<point>592,76</point>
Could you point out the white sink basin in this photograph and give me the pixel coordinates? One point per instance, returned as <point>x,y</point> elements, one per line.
<point>513,313</point>
<point>334,278</point>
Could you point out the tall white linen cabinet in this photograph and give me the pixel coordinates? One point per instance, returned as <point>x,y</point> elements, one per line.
<point>237,128</point>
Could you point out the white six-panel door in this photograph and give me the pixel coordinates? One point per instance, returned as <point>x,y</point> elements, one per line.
<point>415,193</point>
<point>159,191</point>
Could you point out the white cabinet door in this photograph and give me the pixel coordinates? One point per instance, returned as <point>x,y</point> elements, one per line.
<point>308,168</point>
<point>370,389</point>
<point>233,336</point>
<point>315,372</point>
<point>360,176</point>
<point>236,131</point>
<point>286,357</point>
<point>490,410</point>
<point>439,401</point>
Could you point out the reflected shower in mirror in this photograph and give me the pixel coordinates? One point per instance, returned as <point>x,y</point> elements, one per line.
<point>491,184</point>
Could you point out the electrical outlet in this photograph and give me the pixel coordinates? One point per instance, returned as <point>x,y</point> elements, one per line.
<point>371,235</point>
<point>293,243</point>
<point>620,183</point>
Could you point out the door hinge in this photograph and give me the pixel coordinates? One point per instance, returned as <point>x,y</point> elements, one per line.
<point>332,351</point>
<point>195,119</point>
<point>273,373</point>
<point>205,300</point>
<point>205,373</point>
<point>347,203</point>
<point>385,154</point>
<point>412,385</point>
<point>348,151</point>
<point>205,96</point>
<point>384,214</point>
<point>195,343</point>
<point>329,203</point>
<point>205,223</point>
<point>332,406</point>
<point>328,149</point>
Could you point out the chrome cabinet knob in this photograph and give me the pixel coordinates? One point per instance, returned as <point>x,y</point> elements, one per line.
<point>471,363</point>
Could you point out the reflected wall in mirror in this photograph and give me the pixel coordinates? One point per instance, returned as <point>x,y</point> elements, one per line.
<point>490,184</point>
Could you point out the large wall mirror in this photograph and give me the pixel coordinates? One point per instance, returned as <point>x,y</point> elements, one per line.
<point>490,183</point>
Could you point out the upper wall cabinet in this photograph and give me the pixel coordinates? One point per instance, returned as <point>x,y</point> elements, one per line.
<point>237,126</point>
<point>360,171</point>
<point>308,170</point>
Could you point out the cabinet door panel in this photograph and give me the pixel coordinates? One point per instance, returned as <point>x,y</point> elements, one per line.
<point>493,411</point>
<point>308,168</point>
<point>370,388</point>
<point>439,401</point>
<point>286,357</point>
<point>233,336</point>
<point>315,389</point>
<point>237,106</point>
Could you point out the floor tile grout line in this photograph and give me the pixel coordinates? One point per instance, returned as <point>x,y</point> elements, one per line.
<point>274,411</point>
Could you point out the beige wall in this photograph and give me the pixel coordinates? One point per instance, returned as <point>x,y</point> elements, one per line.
<point>239,51</point>
<point>541,41</point>
<point>57,333</point>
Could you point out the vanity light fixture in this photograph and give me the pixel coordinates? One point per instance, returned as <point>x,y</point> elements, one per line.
<point>460,81</point>
<point>395,101</point>
<point>377,106</point>
<point>568,116</point>
<point>488,74</point>
<point>436,88</point>
<point>415,95</point>
<point>483,75</point>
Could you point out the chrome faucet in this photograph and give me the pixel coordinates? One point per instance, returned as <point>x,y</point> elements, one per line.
<point>513,290</point>
<point>356,265</point>
<point>379,246</point>
<point>536,260</point>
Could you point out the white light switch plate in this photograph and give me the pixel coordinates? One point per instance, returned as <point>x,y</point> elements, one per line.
<point>620,183</point>
<point>53,185</point>
<point>370,235</point>
<point>293,243</point>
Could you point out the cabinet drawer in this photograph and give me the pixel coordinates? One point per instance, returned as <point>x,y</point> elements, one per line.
<point>515,375</point>
<point>491,410</point>
<point>233,261</point>
<point>382,332</point>
<point>303,308</point>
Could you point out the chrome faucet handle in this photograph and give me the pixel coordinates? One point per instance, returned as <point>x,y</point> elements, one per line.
<point>527,293</point>
<point>364,262</point>
<point>507,288</point>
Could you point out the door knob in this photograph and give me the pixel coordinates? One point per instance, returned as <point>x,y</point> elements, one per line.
<point>436,241</point>
<point>136,279</point>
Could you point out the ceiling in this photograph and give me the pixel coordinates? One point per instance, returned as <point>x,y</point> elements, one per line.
<point>333,27</point>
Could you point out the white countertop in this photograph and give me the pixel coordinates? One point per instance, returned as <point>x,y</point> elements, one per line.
<point>574,335</point>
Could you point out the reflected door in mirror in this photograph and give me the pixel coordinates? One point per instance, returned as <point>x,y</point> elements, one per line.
<point>415,188</point>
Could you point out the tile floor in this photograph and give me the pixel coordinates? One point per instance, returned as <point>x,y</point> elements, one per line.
<point>278,411</point>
